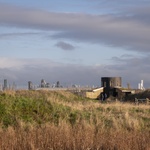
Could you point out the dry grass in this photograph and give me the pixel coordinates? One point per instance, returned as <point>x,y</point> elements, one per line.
<point>80,137</point>
<point>82,124</point>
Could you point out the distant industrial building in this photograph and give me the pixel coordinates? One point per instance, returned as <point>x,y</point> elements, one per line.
<point>113,87</point>
<point>109,84</point>
<point>43,83</point>
<point>30,85</point>
<point>5,84</point>
<point>141,85</point>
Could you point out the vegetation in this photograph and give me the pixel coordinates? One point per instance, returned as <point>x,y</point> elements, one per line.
<point>61,120</point>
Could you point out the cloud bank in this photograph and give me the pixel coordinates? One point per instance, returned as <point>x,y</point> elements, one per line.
<point>132,70</point>
<point>130,31</point>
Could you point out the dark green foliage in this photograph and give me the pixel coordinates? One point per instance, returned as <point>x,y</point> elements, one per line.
<point>24,107</point>
<point>34,107</point>
<point>73,118</point>
<point>2,110</point>
<point>55,107</point>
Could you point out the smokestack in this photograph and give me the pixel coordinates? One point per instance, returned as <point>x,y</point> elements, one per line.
<point>30,85</point>
<point>5,84</point>
<point>139,86</point>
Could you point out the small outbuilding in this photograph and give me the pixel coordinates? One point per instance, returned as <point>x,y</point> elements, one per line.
<point>94,94</point>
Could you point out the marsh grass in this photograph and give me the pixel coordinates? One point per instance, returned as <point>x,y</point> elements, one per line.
<point>61,120</point>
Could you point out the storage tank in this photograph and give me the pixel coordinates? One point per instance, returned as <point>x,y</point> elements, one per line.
<point>109,82</point>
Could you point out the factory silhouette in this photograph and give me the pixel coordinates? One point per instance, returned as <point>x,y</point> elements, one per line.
<point>110,87</point>
<point>7,86</point>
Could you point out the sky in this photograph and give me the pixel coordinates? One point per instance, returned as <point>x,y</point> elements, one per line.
<point>74,41</point>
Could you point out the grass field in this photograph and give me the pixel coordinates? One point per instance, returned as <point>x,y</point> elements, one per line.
<point>42,120</point>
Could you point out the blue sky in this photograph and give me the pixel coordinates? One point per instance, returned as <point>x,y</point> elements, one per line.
<point>75,42</point>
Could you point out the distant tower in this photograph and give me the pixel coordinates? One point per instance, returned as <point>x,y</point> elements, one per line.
<point>5,84</point>
<point>30,85</point>
<point>141,85</point>
<point>43,83</point>
<point>110,83</point>
<point>58,84</point>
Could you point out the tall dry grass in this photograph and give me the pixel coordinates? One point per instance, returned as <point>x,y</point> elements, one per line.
<point>66,137</point>
<point>71,122</point>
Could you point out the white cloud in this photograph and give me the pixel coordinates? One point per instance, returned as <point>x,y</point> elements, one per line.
<point>6,63</point>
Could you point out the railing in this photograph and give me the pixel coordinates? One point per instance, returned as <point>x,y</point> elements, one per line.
<point>142,100</point>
